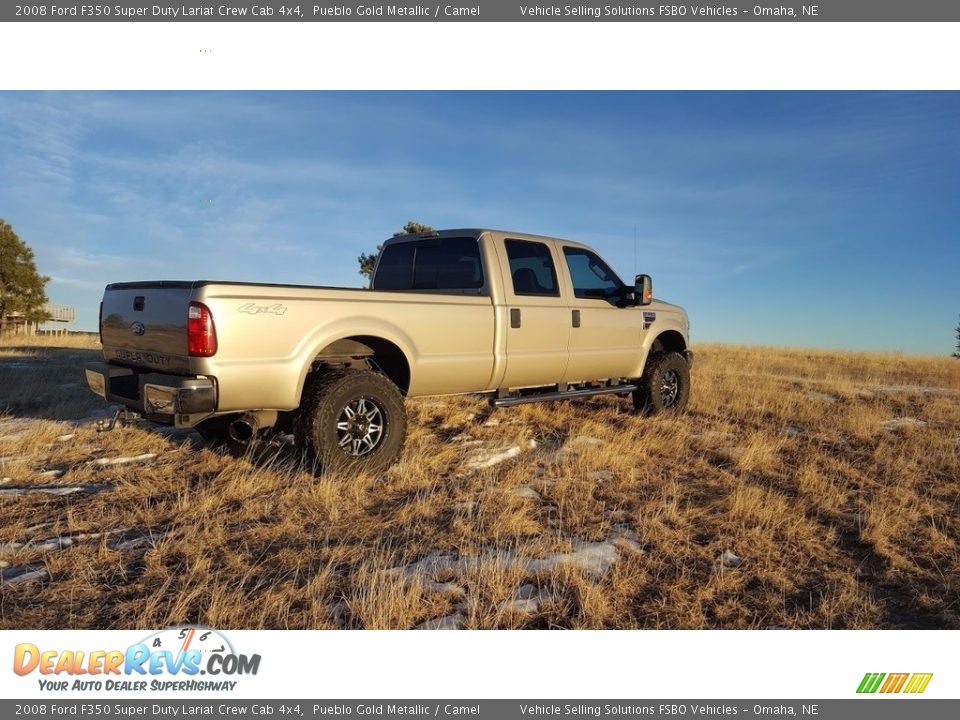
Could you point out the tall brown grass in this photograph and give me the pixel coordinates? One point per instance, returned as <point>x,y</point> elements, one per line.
<point>784,459</point>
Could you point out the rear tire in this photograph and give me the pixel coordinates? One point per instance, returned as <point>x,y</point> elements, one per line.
<point>665,385</point>
<point>352,419</point>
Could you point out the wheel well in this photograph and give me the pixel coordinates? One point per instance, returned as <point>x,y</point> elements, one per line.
<point>669,341</point>
<point>382,354</point>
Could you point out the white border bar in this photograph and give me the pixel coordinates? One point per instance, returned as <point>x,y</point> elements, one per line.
<point>479,56</point>
<point>662,664</point>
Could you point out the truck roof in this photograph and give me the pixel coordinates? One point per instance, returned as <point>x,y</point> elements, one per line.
<point>476,233</point>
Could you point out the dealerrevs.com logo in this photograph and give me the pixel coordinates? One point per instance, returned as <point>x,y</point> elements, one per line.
<point>178,659</point>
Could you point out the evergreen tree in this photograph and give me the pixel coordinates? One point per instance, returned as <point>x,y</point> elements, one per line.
<point>22,288</point>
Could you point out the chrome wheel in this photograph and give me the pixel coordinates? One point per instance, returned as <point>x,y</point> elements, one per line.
<point>670,388</point>
<point>360,427</point>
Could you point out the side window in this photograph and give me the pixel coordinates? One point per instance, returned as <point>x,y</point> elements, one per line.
<point>591,276</point>
<point>531,268</point>
<point>447,264</point>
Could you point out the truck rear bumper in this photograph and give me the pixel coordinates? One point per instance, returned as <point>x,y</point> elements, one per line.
<point>167,398</point>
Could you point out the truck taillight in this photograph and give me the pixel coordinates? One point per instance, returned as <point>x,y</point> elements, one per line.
<point>100,322</point>
<point>201,334</point>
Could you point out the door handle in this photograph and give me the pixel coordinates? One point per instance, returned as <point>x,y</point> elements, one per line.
<point>576,318</point>
<point>514,317</point>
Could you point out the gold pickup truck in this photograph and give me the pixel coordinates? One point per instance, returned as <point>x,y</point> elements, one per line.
<point>517,317</point>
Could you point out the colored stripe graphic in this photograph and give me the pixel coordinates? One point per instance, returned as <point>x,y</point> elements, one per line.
<point>870,682</point>
<point>918,682</point>
<point>894,682</point>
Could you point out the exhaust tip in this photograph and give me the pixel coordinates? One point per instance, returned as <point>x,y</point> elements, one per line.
<point>242,430</point>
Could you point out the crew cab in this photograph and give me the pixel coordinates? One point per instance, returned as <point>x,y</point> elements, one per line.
<point>513,316</point>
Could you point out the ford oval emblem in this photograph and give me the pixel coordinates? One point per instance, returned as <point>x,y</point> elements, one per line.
<point>138,328</point>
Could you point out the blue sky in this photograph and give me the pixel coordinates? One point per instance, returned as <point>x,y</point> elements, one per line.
<point>800,219</point>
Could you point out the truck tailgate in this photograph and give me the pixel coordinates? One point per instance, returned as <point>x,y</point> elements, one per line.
<point>144,325</point>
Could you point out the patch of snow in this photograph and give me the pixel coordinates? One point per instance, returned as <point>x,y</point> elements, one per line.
<point>446,588</point>
<point>432,564</point>
<point>525,492</point>
<point>593,558</point>
<point>456,621</point>
<point>581,442</point>
<point>625,538</point>
<point>338,613</point>
<point>793,431</point>
<point>138,541</point>
<point>922,389</point>
<point>55,473</point>
<point>727,560</point>
<point>528,591</point>
<point>482,459</point>
<point>24,573</point>
<point>46,545</point>
<point>54,489</point>
<point>827,397</point>
<point>902,422</point>
<point>64,438</point>
<point>528,600</point>
<point>521,605</point>
<point>103,462</point>
<point>602,476</point>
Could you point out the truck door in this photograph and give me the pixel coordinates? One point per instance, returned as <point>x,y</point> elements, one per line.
<point>537,317</point>
<point>606,337</point>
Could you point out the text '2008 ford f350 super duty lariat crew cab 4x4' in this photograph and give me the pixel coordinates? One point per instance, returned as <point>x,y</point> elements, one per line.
<point>519,317</point>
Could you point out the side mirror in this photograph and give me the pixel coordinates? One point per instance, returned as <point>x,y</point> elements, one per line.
<point>643,290</point>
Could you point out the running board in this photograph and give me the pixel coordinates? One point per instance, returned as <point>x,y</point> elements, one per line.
<point>566,395</point>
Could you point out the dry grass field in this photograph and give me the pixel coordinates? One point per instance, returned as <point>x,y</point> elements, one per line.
<point>803,489</point>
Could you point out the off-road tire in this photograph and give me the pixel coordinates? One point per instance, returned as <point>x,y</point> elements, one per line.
<point>665,385</point>
<point>323,412</point>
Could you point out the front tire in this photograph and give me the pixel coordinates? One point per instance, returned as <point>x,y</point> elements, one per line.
<point>665,385</point>
<point>352,419</point>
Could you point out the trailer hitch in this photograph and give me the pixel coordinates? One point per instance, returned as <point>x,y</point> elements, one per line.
<point>121,417</point>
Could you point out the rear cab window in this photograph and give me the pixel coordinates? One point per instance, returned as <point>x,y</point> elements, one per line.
<point>432,265</point>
